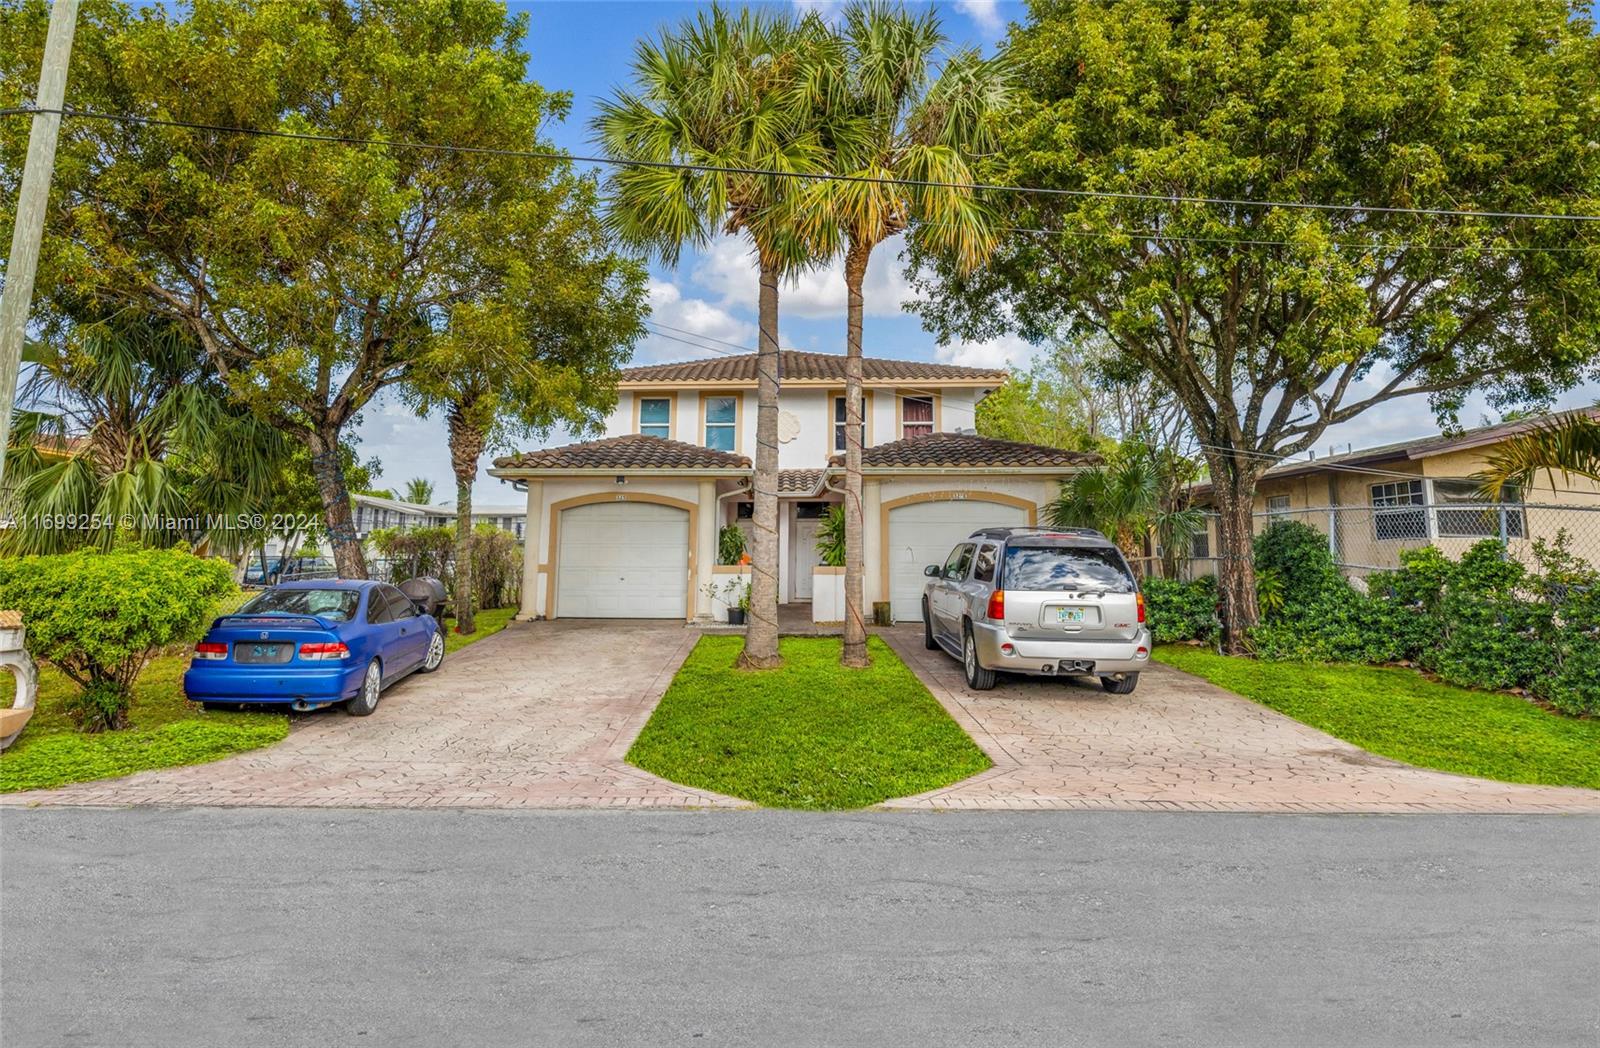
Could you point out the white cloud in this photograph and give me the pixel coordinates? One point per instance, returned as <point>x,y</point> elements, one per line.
<point>828,9</point>
<point>1007,351</point>
<point>676,316</point>
<point>986,13</point>
<point>727,271</point>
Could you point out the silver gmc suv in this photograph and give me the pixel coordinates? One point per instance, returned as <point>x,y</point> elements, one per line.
<point>1054,603</point>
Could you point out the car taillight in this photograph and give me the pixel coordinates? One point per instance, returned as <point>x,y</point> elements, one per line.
<point>997,606</point>
<point>210,650</point>
<point>1140,599</point>
<point>319,651</point>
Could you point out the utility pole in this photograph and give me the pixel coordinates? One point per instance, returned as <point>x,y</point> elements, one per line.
<point>23,262</point>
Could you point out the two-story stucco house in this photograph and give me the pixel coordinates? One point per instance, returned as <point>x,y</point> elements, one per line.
<point>626,526</point>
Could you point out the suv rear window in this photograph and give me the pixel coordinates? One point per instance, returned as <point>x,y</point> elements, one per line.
<point>336,604</point>
<point>1066,568</point>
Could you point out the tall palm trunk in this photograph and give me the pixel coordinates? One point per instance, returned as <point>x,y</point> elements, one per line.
<point>466,446</point>
<point>338,520</point>
<point>761,635</point>
<point>855,624</point>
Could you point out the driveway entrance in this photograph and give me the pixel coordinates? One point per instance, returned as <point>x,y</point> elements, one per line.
<point>538,716</point>
<point>1179,743</point>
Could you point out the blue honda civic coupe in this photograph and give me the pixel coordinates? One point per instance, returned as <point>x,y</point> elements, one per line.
<point>313,643</point>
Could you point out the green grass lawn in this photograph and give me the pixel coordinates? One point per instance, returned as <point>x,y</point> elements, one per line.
<point>491,620</point>
<point>1401,714</point>
<point>810,735</point>
<point>167,730</point>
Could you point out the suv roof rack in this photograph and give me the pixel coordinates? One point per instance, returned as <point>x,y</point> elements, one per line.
<point>1003,533</point>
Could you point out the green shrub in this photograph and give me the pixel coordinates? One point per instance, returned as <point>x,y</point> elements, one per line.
<point>1297,558</point>
<point>496,560</point>
<point>1408,604</point>
<point>1572,588</point>
<point>1493,638</point>
<point>730,544</point>
<point>1309,611</point>
<point>1178,611</point>
<point>99,617</point>
<point>830,536</point>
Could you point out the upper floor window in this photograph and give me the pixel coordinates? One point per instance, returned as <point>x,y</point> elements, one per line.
<point>655,417</point>
<point>841,427</point>
<point>722,418</point>
<point>916,417</point>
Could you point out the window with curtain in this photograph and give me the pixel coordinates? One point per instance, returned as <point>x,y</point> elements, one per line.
<point>840,426</point>
<point>722,416</point>
<point>916,416</point>
<point>655,417</point>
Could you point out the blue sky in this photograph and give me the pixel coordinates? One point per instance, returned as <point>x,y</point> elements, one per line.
<point>585,47</point>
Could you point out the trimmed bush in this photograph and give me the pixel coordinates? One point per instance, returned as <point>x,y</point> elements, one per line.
<point>1492,637</point>
<point>99,616</point>
<point>1178,611</point>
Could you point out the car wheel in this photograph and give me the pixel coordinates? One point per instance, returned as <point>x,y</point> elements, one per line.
<point>1124,686</point>
<point>978,678</point>
<point>366,699</point>
<point>927,628</point>
<point>435,656</point>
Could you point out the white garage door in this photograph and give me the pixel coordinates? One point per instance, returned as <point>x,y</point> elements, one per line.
<point>924,533</point>
<point>622,560</point>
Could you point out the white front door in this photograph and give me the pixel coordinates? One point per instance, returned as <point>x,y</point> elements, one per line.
<point>803,556</point>
<point>623,560</point>
<point>924,533</point>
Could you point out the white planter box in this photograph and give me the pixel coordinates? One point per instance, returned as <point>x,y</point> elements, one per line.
<point>827,595</point>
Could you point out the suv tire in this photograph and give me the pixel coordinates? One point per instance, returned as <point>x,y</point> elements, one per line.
<point>927,628</point>
<point>978,678</point>
<point>1124,686</point>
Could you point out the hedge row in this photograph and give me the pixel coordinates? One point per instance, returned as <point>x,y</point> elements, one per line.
<point>1485,621</point>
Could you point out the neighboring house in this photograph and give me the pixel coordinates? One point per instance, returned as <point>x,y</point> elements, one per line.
<point>373,512</point>
<point>626,526</point>
<point>1375,502</point>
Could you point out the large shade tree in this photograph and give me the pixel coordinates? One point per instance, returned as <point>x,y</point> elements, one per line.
<point>309,271</point>
<point>1270,324</point>
<point>904,134</point>
<point>737,95</point>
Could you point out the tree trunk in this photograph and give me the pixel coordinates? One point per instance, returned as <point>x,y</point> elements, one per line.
<point>855,624</point>
<point>1233,489</point>
<point>466,446</point>
<point>761,633</point>
<point>337,519</point>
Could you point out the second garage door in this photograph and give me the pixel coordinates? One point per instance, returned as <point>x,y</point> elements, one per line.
<point>623,560</point>
<point>924,533</point>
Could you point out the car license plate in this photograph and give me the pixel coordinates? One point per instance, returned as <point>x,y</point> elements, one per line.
<point>1071,615</point>
<point>261,652</point>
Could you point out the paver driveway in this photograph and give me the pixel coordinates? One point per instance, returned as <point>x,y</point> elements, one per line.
<point>539,715</point>
<point>1179,743</point>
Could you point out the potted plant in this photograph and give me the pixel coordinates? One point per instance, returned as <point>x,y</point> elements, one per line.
<point>827,578</point>
<point>730,544</point>
<point>738,607</point>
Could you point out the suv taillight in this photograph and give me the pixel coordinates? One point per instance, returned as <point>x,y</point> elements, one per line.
<point>997,606</point>
<point>1140,599</point>
<point>320,651</point>
<point>210,650</point>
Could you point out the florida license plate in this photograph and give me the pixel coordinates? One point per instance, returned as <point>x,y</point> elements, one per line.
<point>1071,615</point>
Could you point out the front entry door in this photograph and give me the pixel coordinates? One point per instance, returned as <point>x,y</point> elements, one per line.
<point>803,554</point>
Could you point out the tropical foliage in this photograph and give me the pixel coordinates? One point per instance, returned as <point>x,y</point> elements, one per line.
<point>1138,494</point>
<point>420,491</point>
<point>1565,446</point>
<point>1271,323</point>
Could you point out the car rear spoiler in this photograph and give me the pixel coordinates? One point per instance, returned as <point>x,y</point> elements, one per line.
<point>278,622</point>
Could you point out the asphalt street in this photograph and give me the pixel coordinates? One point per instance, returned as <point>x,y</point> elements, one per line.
<point>232,927</point>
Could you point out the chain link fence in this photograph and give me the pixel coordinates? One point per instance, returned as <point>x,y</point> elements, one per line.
<point>1364,539</point>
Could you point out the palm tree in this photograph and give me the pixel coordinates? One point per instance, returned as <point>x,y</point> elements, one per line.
<point>908,137</point>
<point>420,491</point>
<point>1567,444</point>
<point>1135,493</point>
<point>125,423</point>
<point>735,94</point>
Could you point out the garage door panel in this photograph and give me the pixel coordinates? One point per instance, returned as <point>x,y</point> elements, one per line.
<point>924,533</point>
<point>622,560</point>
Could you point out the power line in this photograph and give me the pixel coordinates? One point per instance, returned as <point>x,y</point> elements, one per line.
<point>673,165</point>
